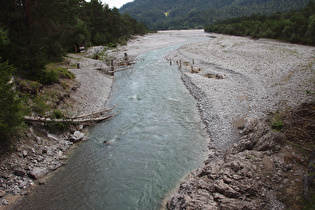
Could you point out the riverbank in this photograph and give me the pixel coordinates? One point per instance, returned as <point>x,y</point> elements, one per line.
<point>240,84</point>
<point>41,150</point>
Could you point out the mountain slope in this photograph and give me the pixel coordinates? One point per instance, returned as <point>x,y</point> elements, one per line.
<point>183,14</point>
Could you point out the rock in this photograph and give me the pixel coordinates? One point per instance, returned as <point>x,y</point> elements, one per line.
<point>225,189</point>
<point>5,202</point>
<point>40,158</point>
<point>177,202</point>
<point>288,167</point>
<point>52,136</point>
<point>77,137</point>
<point>2,193</point>
<point>19,172</point>
<point>54,166</point>
<point>24,153</point>
<point>38,173</point>
<point>47,151</point>
<point>204,185</point>
<point>60,155</point>
<point>80,127</point>
<point>23,184</point>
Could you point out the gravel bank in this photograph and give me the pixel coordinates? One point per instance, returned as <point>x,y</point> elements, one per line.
<point>238,82</point>
<point>260,76</point>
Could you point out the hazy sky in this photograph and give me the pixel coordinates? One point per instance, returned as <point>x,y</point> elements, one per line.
<point>115,3</point>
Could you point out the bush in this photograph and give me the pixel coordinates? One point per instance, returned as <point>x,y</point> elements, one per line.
<point>49,77</point>
<point>278,125</point>
<point>52,74</point>
<point>40,105</point>
<point>57,114</point>
<point>64,73</point>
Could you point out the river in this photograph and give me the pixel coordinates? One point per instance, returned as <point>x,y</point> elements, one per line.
<point>154,141</point>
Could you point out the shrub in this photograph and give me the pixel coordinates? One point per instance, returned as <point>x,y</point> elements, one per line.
<point>63,73</point>
<point>49,77</point>
<point>278,125</point>
<point>57,114</point>
<point>52,73</point>
<point>40,105</point>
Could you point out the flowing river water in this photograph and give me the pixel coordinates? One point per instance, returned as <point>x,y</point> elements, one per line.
<point>156,139</point>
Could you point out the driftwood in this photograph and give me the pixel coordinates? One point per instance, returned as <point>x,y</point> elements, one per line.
<point>83,119</point>
<point>75,121</point>
<point>94,113</point>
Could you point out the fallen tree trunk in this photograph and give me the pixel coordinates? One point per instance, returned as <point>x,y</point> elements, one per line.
<point>91,114</point>
<point>74,121</point>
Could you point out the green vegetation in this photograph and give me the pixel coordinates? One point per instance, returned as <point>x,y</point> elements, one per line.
<point>43,31</point>
<point>277,121</point>
<point>187,14</point>
<point>10,104</point>
<point>11,115</point>
<point>35,33</point>
<point>295,27</point>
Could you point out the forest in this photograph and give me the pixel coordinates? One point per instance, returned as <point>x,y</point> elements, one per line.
<point>34,33</point>
<point>295,26</point>
<point>187,14</point>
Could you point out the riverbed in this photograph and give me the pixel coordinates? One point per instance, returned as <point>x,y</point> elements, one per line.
<point>135,159</point>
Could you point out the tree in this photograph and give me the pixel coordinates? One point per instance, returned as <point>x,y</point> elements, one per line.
<point>10,105</point>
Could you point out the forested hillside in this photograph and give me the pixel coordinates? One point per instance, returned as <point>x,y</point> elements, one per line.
<point>36,32</point>
<point>296,27</point>
<point>184,14</point>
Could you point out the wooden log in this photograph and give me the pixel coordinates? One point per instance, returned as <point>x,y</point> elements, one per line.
<point>75,121</point>
<point>94,113</point>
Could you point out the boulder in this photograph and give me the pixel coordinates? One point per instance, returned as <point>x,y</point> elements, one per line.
<point>38,173</point>
<point>77,136</point>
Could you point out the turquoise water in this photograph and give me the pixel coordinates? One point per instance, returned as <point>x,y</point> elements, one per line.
<point>156,138</point>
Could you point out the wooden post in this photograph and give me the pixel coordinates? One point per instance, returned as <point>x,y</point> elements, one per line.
<point>170,61</point>
<point>180,64</point>
<point>112,67</point>
<point>78,65</point>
